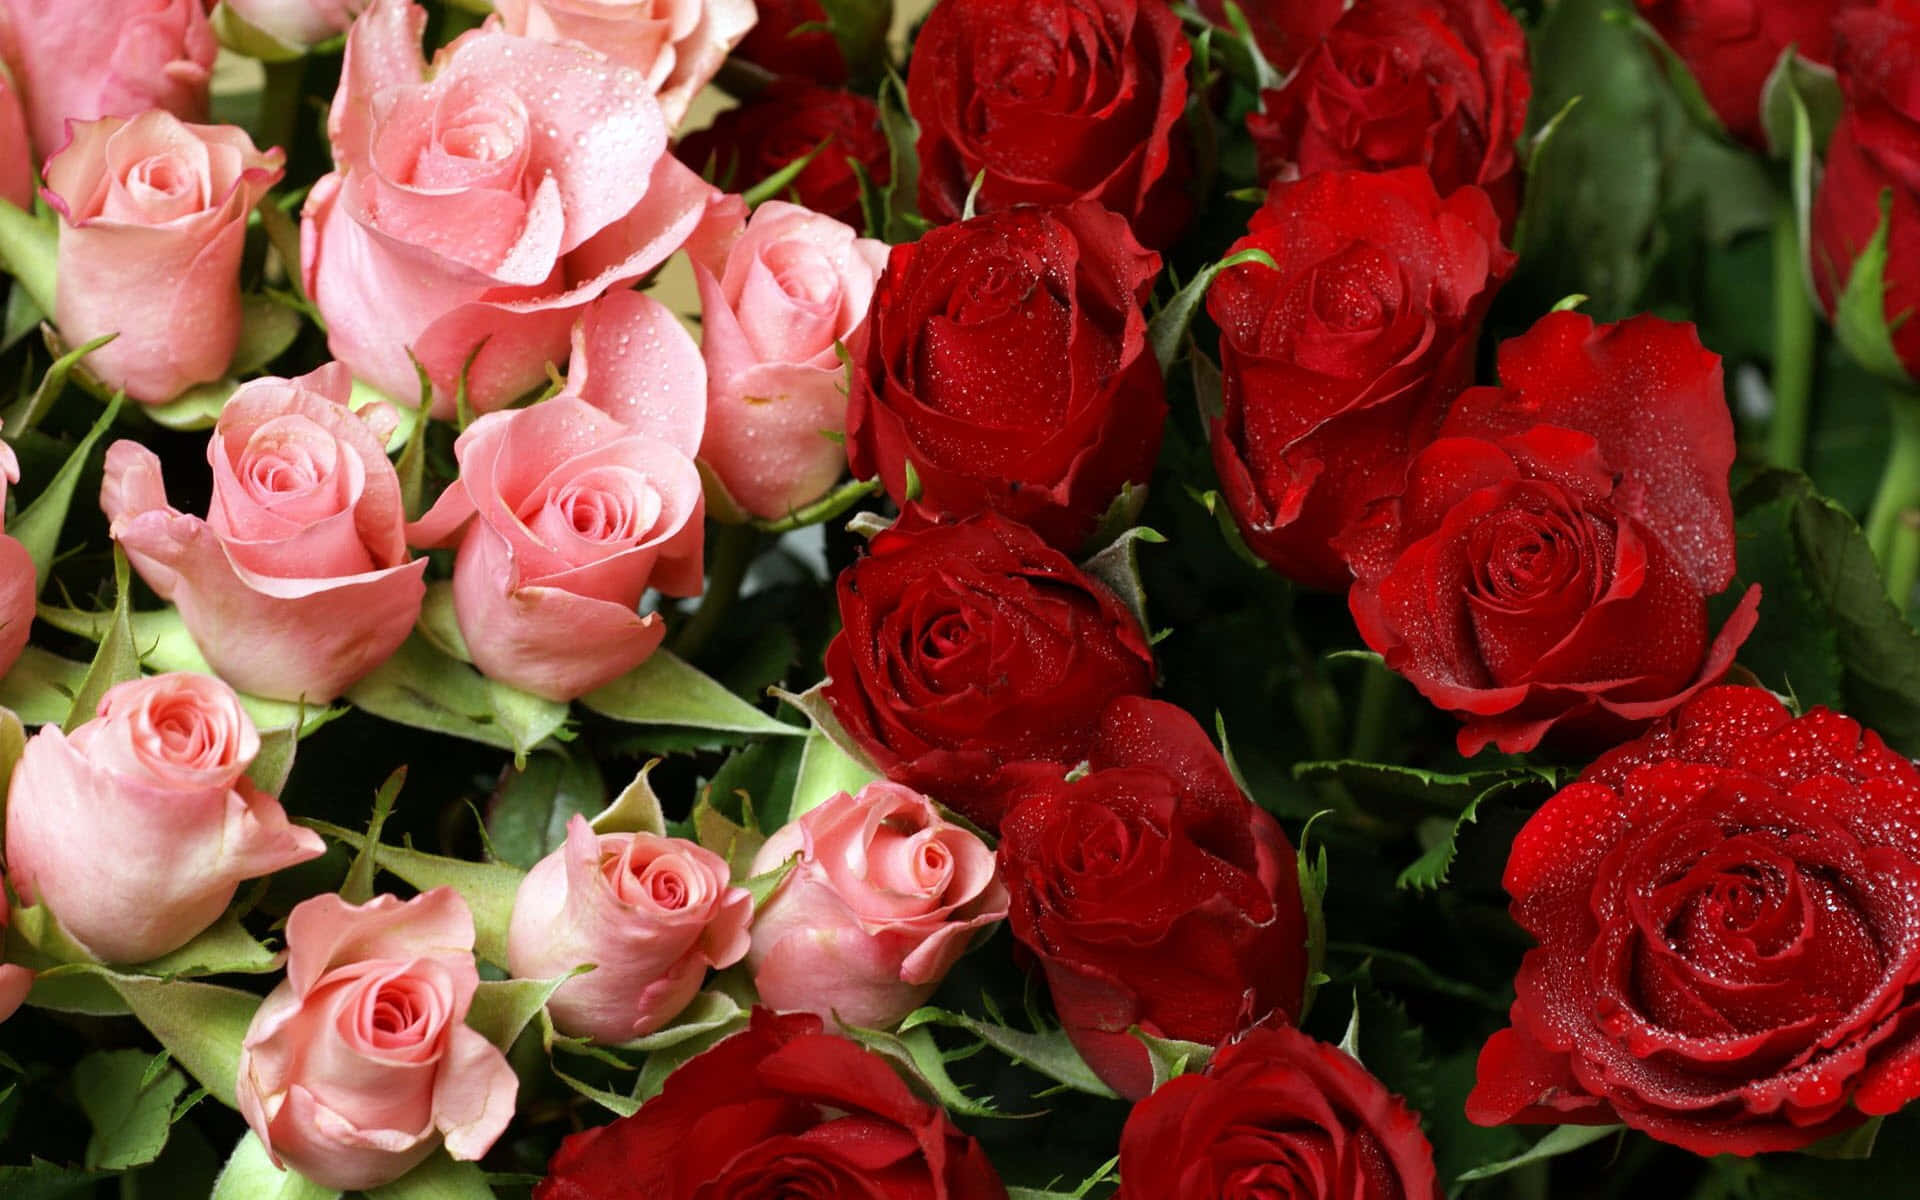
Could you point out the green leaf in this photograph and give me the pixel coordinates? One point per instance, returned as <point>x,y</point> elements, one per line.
<point>423,688</point>
<point>1860,315</point>
<point>42,1180</point>
<point>438,1178</point>
<point>1430,870</point>
<point>1168,328</point>
<point>26,414</point>
<point>664,690</point>
<point>900,213</point>
<point>1442,790</point>
<point>251,1175</point>
<point>711,1011</point>
<point>267,328</point>
<point>272,767</point>
<point>1562,1139</point>
<point>814,705</point>
<point>778,182</point>
<point>29,249</point>
<point>200,1024</point>
<point>528,818</point>
<point>1685,86</point>
<point>825,771</point>
<point>116,661</point>
<point>916,1050</point>
<point>860,27</point>
<point>1101,1174</point>
<point>822,510</point>
<point>1799,86</point>
<point>41,686</point>
<point>194,409</point>
<point>357,887</point>
<point>763,885</point>
<point>13,743</point>
<point>1313,902</point>
<point>439,625</point>
<point>130,1106</point>
<point>225,948</point>
<point>1172,1058</point>
<point>1050,1053</point>
<point>636,809</point>
<point>38,525</point>
<point>503,1008</point>
<point>1118,566</point>
<point>488,888</point>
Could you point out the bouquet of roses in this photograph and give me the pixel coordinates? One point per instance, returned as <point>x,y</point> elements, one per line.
<point>570,564</point>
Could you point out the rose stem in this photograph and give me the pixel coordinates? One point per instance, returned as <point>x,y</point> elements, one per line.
<point>728,556</point>
<point>1793,332</point>
<point>280,106</point>
<point>1899,493</point>
<point>1373,714</point>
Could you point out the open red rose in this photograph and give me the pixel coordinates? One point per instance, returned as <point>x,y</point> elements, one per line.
<point>781,1109</point>
<point>1731,46</point>
<point>1339,364</point>
<point>785,123</point>
<point>1153,893</point>
<point>1051,101</point>
<point>971,645</point>
<point>1728,939</point>
<point>1008,367</point>
<point>1440,84</point>
<point>1546,567</point>
<point>1276,1114</point>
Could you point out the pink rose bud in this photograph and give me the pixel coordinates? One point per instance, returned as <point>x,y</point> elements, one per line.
<point>298,582</point>
<point>650,914</point>
<point>883,898</point>
<point>634,360</point>
<point>136,829</point>
<point>564,517</point>
<point>106,58</point>
<point>676,45</point>
<point>295,24</point>
<point>478,207</point>
<point>16,152</point>
<point>361,1063</point>
<point>153,217</point>
<point>775,296</point>
<point>19,586</point>
<point>15,980</point>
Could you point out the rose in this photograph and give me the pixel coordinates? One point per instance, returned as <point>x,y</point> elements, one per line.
<point>1439,84</point>
<point>564,517</point>
<point>1152,893</point>
<point>1726,937</point>
<point>360,1063</point>
<point>19,585</point>
<point>779,295</point>
<point>969,645</point>
<point>16,152</point>
<point>1875,149</point>
<point>1284,30</point>
<point>792,39</point>
<point>106,58</point>
<point>1276,1114</point>
<point>283,28</point>
<point>473,216</point>
<point>787,122</point>
<point>999,101</point>
<point>781,1109</point>
<point>649,914</point>
<point>136,829</point>
<point>1339,364</point>
<point>675,45</point>
<point>1731,48</point>
<point>1007,365</point>
<point>15,980</point>
<point>883,897</point>
<point>153,217</point>
<point>298,582</point>
<point>1545,567</point>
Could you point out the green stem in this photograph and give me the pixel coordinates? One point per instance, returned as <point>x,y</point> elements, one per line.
<point>1898,494</point>
<point>1793,333</point>
<point>280,104</point>
<point>1373,713</point>
<point>1903,559</point>
<point>728,555</point>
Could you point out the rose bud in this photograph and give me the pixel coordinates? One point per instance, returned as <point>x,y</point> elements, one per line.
<point>19,585</point>
<point>884,896</point>
<point>1732,48</point>
<point>1284,30</point>
<point>649,914</point>
<point>1338,365</point>
<point>15,980</point>
<point>282,28</point>
<point>794,39</point>
<point>996,104</point>
<point>1727,935</point>
<point>779,295</point>
<point>136,829</point>
<point>298,582</point>
<point>153,217</point>
<point>563,518</point>
<point>16,152</point>
<point>1301,1117</point>
<point>1437,84</point>
<point>1546,567</point>
<point>361,1063</point>
<point>785,123</point>
<point>106,58</point>
<point>780,1109</point>
<point>971,645</point>
<point>1007,365</point>
<point>478,206</point>
<point>1152,893</point>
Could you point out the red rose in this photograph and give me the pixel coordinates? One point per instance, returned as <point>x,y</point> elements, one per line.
<point>1728,936</point>
<point>1008,365</point>
<point>1152,893</point>
<point>781,1109</point>
<point>791,39</point>
<point>784,123</point>
<point>1276,1114</point>
<point>968,646</point>
<point>1731,46</point>
<point>1285,30</point>
<point>1440,84</point>
<point>1548,563</point>
<point>1054,101</point>
<point>1340,363</point>
<point>1875,147</point>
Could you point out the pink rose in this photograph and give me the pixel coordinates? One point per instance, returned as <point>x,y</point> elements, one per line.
<point>651,914</point>
<point>298,583</point>
<point>776,294</point>
<point>478,206</point>
<point>136,829</point>
<point>153,217</point>
<point>15,980</point>
<point>16,152</point>
<point>676,44</point>
<point>564,517</point>
<point>19,586</point>
<point>296,25</point>
<point>883,899</point>
<point>633,360</point>
<point>361,1062</point>
<point>80,61</point>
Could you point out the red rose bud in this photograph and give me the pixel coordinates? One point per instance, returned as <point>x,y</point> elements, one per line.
<point>968,646</point>
<point>1008,367</point>
<point>1284,30</point>
<point>792,39</point>
<point>1279,1114</point>
<point>999,97</point>
<point>1727,935</point>
<point>1153,894</point>
<point>1440,84</point>
<point>1546,567</point>
<point>786,123</point>
<point>781,1109</point>
<point>1338,365</point>
<point>1732,48</point>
